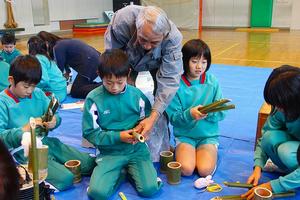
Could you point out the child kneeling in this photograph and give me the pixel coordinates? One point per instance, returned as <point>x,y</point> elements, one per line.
<point>111,112</point>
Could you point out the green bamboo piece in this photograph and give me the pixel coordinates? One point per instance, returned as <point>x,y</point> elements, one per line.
<point>284,194</point>
<point>221,108</point>
<point>231,197</point>
<point>213,105</point>
<point>238,197</point>
<point>35,161</point>
<point>237,184</point>
<point>138,136</point>
<point>52,108</point>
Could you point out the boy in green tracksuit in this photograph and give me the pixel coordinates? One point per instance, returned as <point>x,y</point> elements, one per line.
<point>110,115</point>
<point>196,133</point>
<point>9,51</point>
<point>21,101</point>
<point>281,133</point>
<point>4,69</point>
<point>53,81</point>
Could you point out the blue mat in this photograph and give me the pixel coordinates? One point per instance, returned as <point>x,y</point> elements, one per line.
<point>244,85</point>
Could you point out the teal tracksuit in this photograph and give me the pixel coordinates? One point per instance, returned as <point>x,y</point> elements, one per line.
<point>9,57</point>
<point>280,141</point>
<point>15,113</point>
<point>191,94</point>
<point>4,71</point>
<point>53,81</point>
<point>104,116</point>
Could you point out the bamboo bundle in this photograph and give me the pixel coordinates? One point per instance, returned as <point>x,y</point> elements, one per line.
<point>217,106</point>
<point>47,117</point>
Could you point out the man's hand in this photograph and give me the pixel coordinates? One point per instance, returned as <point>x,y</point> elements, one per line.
<point>250,194</point>
<point>127,137</point>
<point>196,114</point>
<point>146,125</point>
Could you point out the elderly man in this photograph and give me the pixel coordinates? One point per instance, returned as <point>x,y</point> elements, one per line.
<point>153,43</point>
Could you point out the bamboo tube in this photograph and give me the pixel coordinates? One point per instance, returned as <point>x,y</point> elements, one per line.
<point>236,184</point>
<point>35,161</point>
<point>138,136</point>
<point>213,105</point>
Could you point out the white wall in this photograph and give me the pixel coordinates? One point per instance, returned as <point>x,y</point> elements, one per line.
<point>58,10</point>
<point>282,10</point>
<point>226,13</point>
<point>183,13</point>
<point>295,19</point>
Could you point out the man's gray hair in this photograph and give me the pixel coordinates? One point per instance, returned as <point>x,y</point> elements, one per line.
<point>155,16</point>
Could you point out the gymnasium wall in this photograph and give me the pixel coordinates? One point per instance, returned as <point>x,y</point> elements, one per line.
<point>58,10</point>
<point>30,14</point>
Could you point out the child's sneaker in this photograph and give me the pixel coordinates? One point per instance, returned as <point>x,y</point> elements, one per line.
<point>69,87</point>
<point>159,182</point>
<point>271,167</point>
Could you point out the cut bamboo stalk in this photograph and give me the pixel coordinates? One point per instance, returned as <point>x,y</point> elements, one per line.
<point>239,185</point>
<point>238,197</point>
<point>35,160</point>
<point>138,136</point>
<point>284,194</point>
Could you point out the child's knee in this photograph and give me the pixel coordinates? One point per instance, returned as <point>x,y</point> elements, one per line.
<point>148,190</point>
<point>64,182</point>
<point>284,153</point>
<point>268,141</point>
<point>98,193</point>
<point>88,166</point>
<point>187,170</point>
<point>204,171</point>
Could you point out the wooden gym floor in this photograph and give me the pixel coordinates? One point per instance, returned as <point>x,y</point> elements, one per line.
<point>229,47</point>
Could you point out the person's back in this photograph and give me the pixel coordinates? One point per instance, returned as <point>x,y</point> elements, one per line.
<point>110,114</point>
<point>4,69</point>
<point>53,81</point>
<point>76,54</point>
<point>9,51</point>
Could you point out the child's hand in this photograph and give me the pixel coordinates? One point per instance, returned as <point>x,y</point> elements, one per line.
<point>196,114</point>
<point>255,176</point>
<point>250,194</point>
<point>127,137</point>
<point>38,121</point>
<point>51,124</point>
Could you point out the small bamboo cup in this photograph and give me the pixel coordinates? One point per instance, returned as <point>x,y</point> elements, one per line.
<point>262,194</point>
<point>164,159</point>
<point>74,167</point>
<point>42,153</point>
<point>174,173</point>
